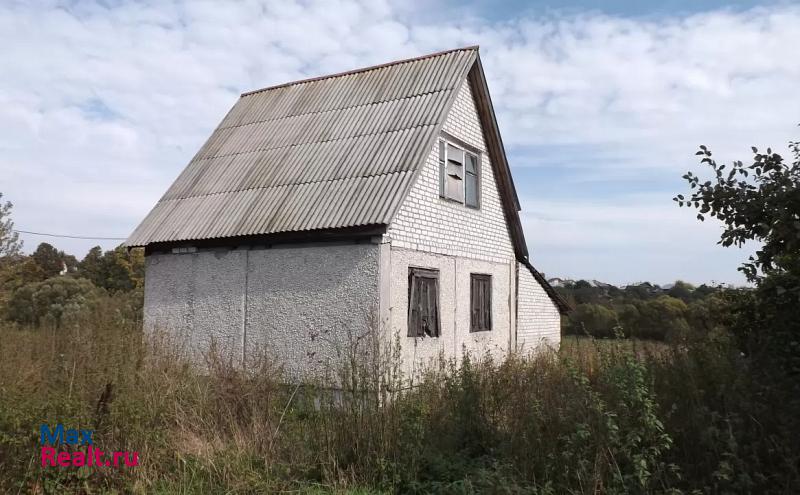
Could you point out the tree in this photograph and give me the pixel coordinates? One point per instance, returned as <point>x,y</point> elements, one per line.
<point>52,261</point>
<point>710,312</point>
<point>760,202</point>
<point>51,300</point>
<point>593,319</point>
<point>93,266</point>
<point>661,318</point>
<point>47,259</point>
<point>114,270</point>
<point>628,315</point>
<point>681,290</point>
<point>642,291</point>
<point>10,245</point>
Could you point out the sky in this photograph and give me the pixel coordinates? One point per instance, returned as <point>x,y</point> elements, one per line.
<point>601,106</point>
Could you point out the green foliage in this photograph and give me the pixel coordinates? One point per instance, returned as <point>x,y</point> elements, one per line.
<point>662,317</point>
<point>681,290</point>
<point>14,275</point>
<point>643,311</point>
<point>593,319</point>
<point>53,262</point>
<point>760,202</point>
<point>51,300</point>
<point>114,270</point>
<point>610,416</point>
<point>10,245</point>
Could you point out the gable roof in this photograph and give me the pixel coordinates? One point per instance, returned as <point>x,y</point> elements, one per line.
<point>332,152</point>
<point>323,153</point>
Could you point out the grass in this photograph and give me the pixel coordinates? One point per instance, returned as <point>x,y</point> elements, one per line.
<point>597,417</point>
<point>580,347</point>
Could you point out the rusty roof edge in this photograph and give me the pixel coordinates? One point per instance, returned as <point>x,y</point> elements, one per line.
<point>435,132</point>
<point>362,69</point>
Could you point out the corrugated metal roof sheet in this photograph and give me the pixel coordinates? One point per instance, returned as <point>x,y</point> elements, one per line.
<point>331,152</point>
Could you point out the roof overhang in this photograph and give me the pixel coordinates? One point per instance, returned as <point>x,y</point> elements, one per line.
<point>362,233</point>
<point>505,181</point>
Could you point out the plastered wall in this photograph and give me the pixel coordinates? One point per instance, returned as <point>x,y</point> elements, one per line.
<point>300,305</point>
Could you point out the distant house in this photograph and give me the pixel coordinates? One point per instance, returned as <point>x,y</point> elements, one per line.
<point>379,197</point>
<point>559,282</point>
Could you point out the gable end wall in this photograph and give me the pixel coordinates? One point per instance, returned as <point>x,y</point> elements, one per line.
<point>426,222</point>
<point>432,232</point>
<point>538,319</point>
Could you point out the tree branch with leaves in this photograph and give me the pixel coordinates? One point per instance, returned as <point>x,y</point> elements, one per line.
<point>10,245</point>
<point>759,201</point>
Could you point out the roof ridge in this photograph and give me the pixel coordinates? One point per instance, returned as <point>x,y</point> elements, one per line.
<point>362,69</point>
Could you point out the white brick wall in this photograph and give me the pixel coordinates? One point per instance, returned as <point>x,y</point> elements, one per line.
<point>426,222</point>
<point>427,226</point>
<point>538,319</point>
<point>454,309</point>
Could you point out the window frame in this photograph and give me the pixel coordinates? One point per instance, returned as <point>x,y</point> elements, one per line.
<point>476,323</point>
<point>413,330</point>
<point>446,140</point>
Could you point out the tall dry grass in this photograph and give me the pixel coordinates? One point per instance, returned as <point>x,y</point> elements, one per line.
<point>599,417</point>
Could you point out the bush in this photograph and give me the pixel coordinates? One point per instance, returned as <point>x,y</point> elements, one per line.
<point>52,300</point>
<point>662,318</point>
<point>592,319</point>
<point>607,416</point>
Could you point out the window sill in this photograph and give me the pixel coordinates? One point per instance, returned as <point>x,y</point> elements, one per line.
<point>461,203</point>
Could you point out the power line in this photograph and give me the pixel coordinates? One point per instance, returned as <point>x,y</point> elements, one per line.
<point>86,237</point>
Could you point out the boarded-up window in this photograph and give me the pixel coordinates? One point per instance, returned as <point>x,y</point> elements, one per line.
<point>480,302</point>
<point>459,172</point>
<point>423,302</point>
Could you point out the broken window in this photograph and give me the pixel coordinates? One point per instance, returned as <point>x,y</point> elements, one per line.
<point>423,302</point>
<point>471,183</point>
<point>459,174</point>
<point>480,302</point>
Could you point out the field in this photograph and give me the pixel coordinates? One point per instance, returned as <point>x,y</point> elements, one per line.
<point>597,417</point>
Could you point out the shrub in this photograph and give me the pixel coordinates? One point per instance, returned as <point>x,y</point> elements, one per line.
<point>51,300</point>
<point>592,319</point>
<point>661,318</point>
<point>600,417</point>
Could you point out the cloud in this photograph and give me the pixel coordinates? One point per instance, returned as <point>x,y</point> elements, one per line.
<point>626,239</point>
<point>102,104</point>
<point>648,91</point>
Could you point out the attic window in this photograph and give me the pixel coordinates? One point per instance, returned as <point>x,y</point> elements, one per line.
<point>459,172</point>
<point>423,302</point>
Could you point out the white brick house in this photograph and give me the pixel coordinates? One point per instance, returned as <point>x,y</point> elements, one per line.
<point>379,198</point>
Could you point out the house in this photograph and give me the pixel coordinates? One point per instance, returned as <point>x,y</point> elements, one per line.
<point>379,197</point>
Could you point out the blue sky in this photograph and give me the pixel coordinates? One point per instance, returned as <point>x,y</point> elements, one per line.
<point>601,106</point>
